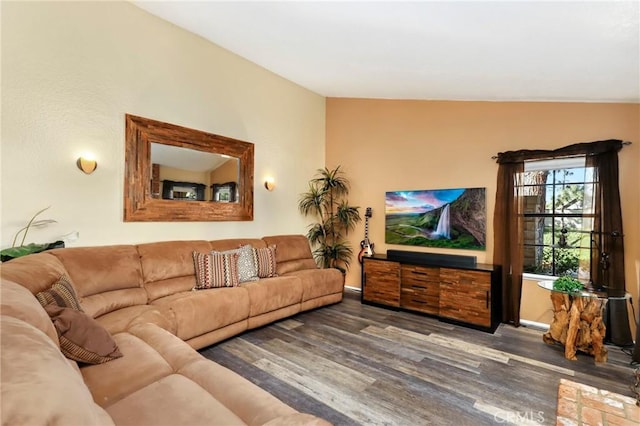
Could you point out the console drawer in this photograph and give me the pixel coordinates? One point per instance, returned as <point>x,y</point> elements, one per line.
<point>418,301</point>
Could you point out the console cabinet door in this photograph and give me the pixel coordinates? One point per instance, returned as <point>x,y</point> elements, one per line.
<point>381,282</point>
<point>420,288</point>
<point>466,296</point>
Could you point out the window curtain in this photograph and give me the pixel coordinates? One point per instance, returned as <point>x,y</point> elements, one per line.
<point>508,222</point>
<point>607,271</point>
<point>509,218</point>
<point>608,253</point>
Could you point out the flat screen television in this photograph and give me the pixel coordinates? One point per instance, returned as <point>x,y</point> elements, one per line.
<point>445,218</point>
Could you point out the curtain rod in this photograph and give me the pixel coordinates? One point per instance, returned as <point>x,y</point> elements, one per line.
<point>495,157</point>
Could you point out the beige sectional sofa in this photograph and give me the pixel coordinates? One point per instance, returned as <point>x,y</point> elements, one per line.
<point>142,294</point>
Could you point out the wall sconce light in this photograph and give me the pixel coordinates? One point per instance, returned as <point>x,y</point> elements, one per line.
<point>87,165</point>
<point>270,184</point>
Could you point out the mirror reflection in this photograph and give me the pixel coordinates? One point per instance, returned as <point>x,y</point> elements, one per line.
<point>210,176</point>
<point>185,174</point>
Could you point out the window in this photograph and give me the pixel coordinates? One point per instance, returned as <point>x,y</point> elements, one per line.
<point>558,217</point>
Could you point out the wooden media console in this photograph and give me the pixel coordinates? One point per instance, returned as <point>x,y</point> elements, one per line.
<point>461,292</point>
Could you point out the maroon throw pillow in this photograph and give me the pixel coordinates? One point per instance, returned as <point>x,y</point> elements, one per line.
<point>215,270</point>
<point>266,260</point>
<point>82,338</point>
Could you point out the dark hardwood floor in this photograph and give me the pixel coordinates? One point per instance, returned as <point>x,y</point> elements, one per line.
<point>356,364</point>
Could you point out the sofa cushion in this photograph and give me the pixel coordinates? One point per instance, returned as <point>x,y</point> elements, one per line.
<point>234,243</point>
<point>162,288</point>
<point>199,312</point>
<point>215,270</point>
<point>109,301</point>
<point>174,351</point>
<point>150,355</point>
<point>140,366</point>
<point>247,401</point>
<point>95,270</point>
<point>265,259</point>
<point>226,397</point>
<point>60,294</point>
<point>18,302</point>
<point>169,259</point>
<point>82,338</point>
<point>39,386</point>
<point>293,253</point>
<point>105,278</point>
<point>120,320</point>
<point>319,282</point>
<point>270,294</point>
<point>172,400</point>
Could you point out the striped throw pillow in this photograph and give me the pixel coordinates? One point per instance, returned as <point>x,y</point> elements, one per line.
<point>266,260</point>
<point>214,270</point>
<point>60,294</point>
<point>81,337</point>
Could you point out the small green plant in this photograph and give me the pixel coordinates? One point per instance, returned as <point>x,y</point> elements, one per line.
<point>32,223</point>
<point>25,249</point>
<point>568,284</point>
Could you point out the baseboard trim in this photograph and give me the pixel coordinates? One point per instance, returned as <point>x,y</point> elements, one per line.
<point>357,289</point>
<point>534,324</point>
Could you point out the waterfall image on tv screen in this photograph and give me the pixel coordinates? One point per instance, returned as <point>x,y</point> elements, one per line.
<point>447,218</point>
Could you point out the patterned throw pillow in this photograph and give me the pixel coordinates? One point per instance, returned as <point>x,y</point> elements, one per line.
<point>266,260</point>
<point>82,338</point>
<point>215,270</point>
<point>60,294</point>
<point>247,266</point>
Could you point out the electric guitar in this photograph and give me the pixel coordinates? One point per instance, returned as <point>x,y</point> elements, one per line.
<point>366,246</point>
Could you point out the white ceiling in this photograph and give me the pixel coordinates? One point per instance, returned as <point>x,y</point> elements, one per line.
<point>185,158</point>
<point>448,50</point>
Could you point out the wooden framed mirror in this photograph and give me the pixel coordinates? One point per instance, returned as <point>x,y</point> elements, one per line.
<point>171,172</point>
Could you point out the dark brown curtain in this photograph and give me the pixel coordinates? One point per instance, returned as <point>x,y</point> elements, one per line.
<point>507,238</point>
<point>608,251</point>
<point>508,217</point>
<point>583,148</point>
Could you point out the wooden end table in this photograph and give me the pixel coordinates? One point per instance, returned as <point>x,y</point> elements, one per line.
<point>577,322</point>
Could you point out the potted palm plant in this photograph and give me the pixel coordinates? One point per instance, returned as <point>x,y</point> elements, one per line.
<point>326,201</point>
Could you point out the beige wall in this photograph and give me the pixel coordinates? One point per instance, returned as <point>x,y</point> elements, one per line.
<point>70,72</point>
<point>227,172</point>
<point>182,175</point>
<point>387,145</point>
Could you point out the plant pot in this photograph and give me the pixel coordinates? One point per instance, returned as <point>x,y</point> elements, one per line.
<point>14,252</point>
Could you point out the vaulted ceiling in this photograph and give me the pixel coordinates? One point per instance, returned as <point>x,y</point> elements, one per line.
<point>443,50</point>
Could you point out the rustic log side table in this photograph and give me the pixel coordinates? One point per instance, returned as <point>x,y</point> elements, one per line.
<point>577,322</point>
